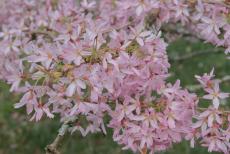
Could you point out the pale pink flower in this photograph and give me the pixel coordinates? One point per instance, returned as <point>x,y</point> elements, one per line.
<point>71,89</point>
<point>147,138</point>
<point>88,5</point>
<point>75,53</point>
<point>83,107</point>
<point>206,79</point>
<point>5,33</point>
<point>16,76</point>
<point>145,5</point>
<point>9,47</point>
<point>139,35</point>
<point>28,99</point>
<point>44,55</point>
<point>200,11</point>
<point>215,95</point>
<point>123,111</point>
<point>211,25</point>
<point>151,118</point>
<point>40,109</point>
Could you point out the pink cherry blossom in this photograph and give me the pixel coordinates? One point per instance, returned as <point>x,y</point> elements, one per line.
<point>138,34</point>
<point>215,95</point>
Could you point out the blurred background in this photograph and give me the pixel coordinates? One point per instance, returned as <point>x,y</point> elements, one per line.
<point>19,136</point>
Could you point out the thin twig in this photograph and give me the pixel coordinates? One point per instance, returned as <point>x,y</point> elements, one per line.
<point>194,54</point>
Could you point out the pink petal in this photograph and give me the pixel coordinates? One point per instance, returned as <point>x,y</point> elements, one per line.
<point>223,95</point>
<point>130,109</point>
<point>20,104</point>
<point>81,84</point>
<point>71,89</point>
<point>211,146</point>
<point>216,102</point>
<point>210,120</point>
<point>140,41</point>
<point>39,114</point>
<point>171,123</point>
<point>197,124</point>
<point>221,146</point>
<point>210,97</point>
<point>48,113</point>
<point>139,10</point>
<point>29,108</point>
<point>145,33</point>
<point>216,87</point>
<point>121,116</point>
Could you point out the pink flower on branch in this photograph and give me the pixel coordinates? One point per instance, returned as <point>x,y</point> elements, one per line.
<point>215,95</point>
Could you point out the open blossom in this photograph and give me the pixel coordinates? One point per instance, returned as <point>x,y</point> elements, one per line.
<point>206,79</point>
<point>139,35</point>
<point>28,99</point>
<point>71,89</point>
<point>213,25</point>
<point>88,5</point>
<point>41,109</point>
<point>181,11</point>
<point>145,5</point>
<point>200,11</point>
<point>215,95</point>
<point>9,47</point>
<point>5,34</point>
<point>16,77</point>
<point>74,53</point>
<point>45,55</point>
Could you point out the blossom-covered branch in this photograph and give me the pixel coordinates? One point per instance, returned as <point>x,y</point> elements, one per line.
<point>103,58</point>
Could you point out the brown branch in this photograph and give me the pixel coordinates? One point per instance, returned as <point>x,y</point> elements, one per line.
<point>53,147</point>
<point>144,150</point>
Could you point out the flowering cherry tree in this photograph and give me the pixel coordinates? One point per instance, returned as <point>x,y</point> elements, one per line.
<point>85,60</point>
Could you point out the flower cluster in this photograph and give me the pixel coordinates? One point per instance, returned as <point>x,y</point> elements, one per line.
<point>91,59</point>
<point>154,122</point>
<point>212,124</point>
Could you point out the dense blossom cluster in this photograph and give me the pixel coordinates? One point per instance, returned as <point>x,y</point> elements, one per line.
<point>213,124</point>
<point>90,59</point>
